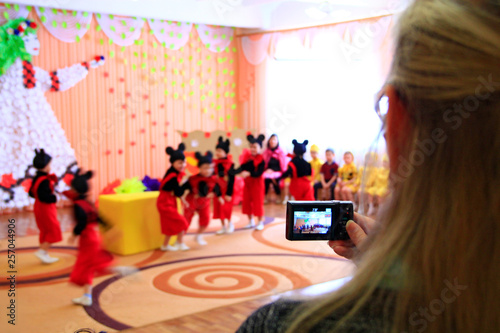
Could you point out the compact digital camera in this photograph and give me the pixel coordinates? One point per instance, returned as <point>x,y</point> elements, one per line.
<point>318,220</point>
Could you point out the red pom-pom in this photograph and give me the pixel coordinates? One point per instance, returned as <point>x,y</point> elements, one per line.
<point>33,25</point>
<point>97,58</point>
<point>248,133</point>
<point>21,29</point>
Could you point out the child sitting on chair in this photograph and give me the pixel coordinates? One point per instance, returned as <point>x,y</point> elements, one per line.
<point>346,186</point>
<point>328,175</point>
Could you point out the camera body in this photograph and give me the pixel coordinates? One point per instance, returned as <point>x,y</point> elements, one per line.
<point>318,220</point>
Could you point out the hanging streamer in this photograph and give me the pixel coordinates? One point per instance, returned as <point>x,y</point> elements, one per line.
<point>123,31</point>
<point>215,38</point>
<point>12,12</point>
<point>66,25</point>
<point>255,48</point>
<point>171,34</point>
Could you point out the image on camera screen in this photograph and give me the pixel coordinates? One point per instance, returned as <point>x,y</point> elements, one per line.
<point>312,222</point>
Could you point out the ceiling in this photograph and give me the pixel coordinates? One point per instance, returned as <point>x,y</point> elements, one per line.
<point>252,15</point>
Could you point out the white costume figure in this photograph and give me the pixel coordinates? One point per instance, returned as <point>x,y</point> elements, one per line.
<point>28,121</point>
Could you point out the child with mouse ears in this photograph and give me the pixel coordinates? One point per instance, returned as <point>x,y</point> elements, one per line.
<point>252,170</point>
<point>171,190</point>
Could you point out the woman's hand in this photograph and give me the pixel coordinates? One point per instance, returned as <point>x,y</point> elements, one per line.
<point>228,198</point>
<point>358,231</point>
<point>245,174</point>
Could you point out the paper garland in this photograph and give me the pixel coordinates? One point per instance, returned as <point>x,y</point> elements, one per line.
<point>12,12</point>
<point>171,34</point>
<point>255,48</point>
<point>123,31</point>
<point>67,26</point>
<point>215,38</point>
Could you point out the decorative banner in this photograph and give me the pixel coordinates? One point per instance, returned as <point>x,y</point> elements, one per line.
<point>123,31</point>
<point>215,38</point>
<point>255,47</point>
<point>171,34</point>
<point>67,26</point>
<point>12,12</point>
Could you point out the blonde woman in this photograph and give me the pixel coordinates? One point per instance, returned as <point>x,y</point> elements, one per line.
<point>431,262</point>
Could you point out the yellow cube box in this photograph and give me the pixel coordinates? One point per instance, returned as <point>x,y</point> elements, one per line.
<point>135,222</point>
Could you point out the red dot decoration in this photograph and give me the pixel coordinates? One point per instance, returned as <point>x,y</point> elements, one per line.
<point>127,94</point>
<point>165,134</point>
<point>132,143</point>
<point>153,146</point>
<point>122,79</point>
<point>108,152</point>
<point>120,151</point>
<point>142,131</point>
<point>111,90</point>
<point>124,106</point>
<point>105,74</point>
<point>248,133</point>
<point>133,115</point>
<point>167,123</point>
<point>153,123</point>
<point>184,135</point>
<point>207,134</point>
<point>228,134</point>
<point>162,106</point>
<point>145,96</point>
<point>148,112</point>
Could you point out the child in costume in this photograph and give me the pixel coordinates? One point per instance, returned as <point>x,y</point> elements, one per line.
<point>365,182</point>
<point>252,170</point>
<point>378,190</point>
<point>346,187</point>
<point>223,205</point>
<point>92,258</point>
<point>275,159</point>
<point>202,187</point>
<point>316,164</point>
<point>171,189</point>
<point>300,172</point>
<point>42,189</point>
<point>328,175</point>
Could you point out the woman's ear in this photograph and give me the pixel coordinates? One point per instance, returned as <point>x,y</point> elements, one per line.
<point>397,128</point>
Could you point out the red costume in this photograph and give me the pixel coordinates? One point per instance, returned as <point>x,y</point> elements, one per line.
<point>172,222</point>
<point>92,258</point>
<point>254,191</point>
<point>225,181</point>
<point>199,187</point>
<point>45,208</point>
<point>300,171</point>
<point>300,186</point>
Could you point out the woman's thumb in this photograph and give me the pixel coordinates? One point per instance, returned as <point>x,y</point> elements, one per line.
<point>355,232</point>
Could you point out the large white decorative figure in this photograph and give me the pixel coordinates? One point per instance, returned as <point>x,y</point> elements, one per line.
<point>27,120</point>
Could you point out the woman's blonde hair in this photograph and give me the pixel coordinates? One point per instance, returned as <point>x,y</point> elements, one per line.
<point>438,242</point>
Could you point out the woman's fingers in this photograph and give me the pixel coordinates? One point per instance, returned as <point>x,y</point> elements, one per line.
<point>366,223</point>
<point>346,252</point>
<point>356,233</point>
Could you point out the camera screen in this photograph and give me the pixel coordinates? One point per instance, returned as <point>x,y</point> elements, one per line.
<point>312,222</point>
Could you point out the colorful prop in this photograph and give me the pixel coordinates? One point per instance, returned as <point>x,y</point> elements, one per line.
<point>132,185</point>
<point>135,222</point>
<point>28,121</point>
<point>151,184</point>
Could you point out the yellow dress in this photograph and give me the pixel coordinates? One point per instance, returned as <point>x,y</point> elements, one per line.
<point>370,178</point>
<point>381,183</point>
<point>316,168</point>
<point>348,172</point>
